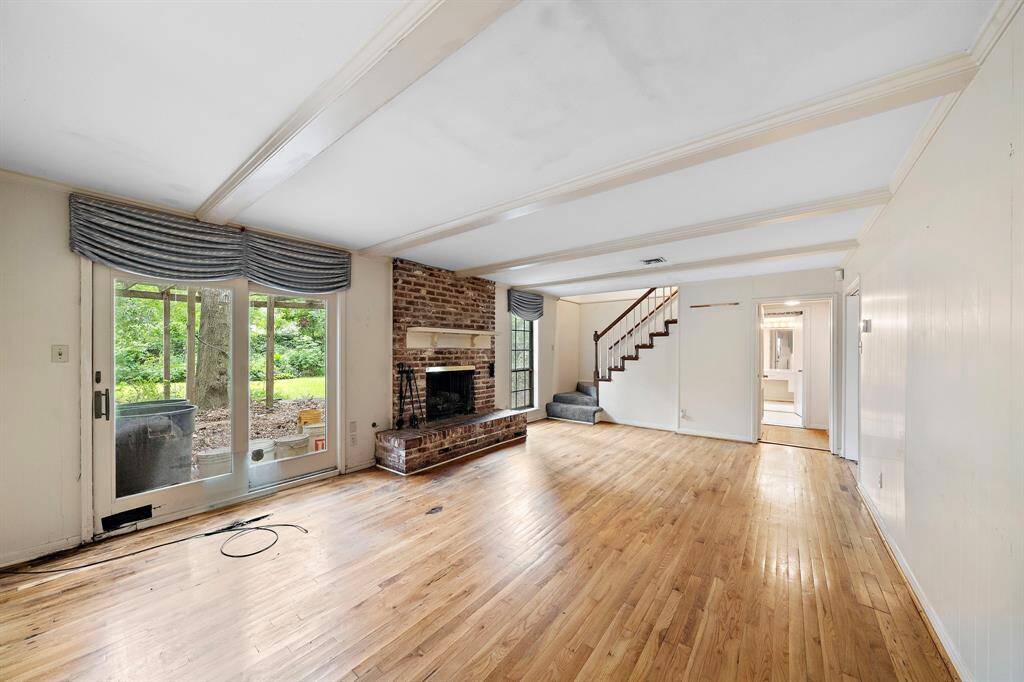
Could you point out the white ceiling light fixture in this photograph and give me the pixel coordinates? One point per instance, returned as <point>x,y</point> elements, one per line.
<point>791,303</point>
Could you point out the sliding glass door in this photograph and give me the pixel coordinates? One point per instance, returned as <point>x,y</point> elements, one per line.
<point>204,391</point>
<point>291,357</point>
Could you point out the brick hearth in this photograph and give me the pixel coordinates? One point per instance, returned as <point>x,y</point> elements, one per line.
<point>407,451</point>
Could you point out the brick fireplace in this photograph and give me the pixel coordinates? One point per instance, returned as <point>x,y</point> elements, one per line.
<point>427,297</point>
<point>435,314</point>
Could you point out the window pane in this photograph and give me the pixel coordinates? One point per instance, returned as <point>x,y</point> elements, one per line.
<point>520,363</point>
<point>288,393</point>
<point>172,384</point>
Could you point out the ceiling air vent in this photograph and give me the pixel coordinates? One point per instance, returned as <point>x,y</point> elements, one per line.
<point>653,261</point>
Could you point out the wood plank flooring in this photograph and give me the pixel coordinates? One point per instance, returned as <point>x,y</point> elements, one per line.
<point>797,437</point>
<point>590,552</point>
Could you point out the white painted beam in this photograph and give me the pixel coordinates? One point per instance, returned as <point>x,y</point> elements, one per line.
<point>413,41</point>
<point>933,79</point>
<point>761,256</point>
<point>785,214</point>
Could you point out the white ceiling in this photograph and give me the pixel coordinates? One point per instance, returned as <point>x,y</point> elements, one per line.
<point>162,101</point>
<point>553,90</point>
<point>648,279</point>
<point>839,160</point>
<point>820,230</point>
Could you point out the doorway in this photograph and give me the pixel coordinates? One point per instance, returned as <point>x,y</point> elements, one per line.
<point>205,392</point>
<point>795,372</point>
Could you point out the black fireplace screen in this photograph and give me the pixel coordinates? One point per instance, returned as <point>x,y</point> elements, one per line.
<point>449,392</point>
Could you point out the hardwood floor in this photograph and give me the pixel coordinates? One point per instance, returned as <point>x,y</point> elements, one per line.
<point>590,552</point>
<point>797,437</point>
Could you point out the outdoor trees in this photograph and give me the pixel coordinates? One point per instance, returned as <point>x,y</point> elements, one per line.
<point>212,354</point>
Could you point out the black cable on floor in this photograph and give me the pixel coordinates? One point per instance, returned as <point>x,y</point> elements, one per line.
<point>236,529</point>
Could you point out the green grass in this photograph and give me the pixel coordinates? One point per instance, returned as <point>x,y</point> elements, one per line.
<point>284,389</point>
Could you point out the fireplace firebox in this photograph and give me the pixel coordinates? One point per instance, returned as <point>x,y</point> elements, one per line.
<point>449,391</point>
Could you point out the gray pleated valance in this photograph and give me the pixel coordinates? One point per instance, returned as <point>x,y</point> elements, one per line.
<point>525,305</point>
<point>156,244</point>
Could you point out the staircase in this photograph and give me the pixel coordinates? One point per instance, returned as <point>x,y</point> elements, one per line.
<point>578,406</point>
<point>646,319</point>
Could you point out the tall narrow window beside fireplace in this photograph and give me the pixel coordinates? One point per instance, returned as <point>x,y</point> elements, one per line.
<point>521,380</point>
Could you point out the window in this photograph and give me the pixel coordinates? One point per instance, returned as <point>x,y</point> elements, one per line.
<point>521,379</point>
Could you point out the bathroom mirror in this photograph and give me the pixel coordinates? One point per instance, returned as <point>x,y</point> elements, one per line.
<point>782,348</point>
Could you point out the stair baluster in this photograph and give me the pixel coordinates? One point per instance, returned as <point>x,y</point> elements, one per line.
<point>633,330</point>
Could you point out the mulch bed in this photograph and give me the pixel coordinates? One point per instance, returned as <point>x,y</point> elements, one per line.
<point>213,427</point>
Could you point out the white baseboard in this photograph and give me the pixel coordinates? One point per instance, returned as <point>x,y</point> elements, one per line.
<point>30,553</point>
<point>639,425</point>
<point>715,434</point>
<point>361,466</point>
<point>929,611</point>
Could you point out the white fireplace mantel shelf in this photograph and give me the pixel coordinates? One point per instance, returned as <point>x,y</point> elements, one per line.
<point>441,337</point>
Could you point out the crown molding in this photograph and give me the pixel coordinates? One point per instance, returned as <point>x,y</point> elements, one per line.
<point>417,37</point>
<point>1001,18</point>
<point>993,30</point>
<point>785,214</point>
<point>926,81</point>
<point>807,250</point>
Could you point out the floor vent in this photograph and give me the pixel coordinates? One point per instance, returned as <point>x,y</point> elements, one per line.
<point>115,521</point>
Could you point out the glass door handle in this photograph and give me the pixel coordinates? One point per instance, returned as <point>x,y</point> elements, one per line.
<point>101,404</point>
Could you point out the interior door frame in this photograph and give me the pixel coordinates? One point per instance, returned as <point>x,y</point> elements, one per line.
<point>835,368</point>
<point>853,289</point>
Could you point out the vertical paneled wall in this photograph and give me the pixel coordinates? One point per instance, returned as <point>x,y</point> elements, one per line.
<point>941,448</point>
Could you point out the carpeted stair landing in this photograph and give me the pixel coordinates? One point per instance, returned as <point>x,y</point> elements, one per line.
<point>578,406</point>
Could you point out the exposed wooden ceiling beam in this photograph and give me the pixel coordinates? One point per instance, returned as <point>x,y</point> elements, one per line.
<point>847,202</point>
<point>932,79</point>
<point>413,41</point>
<point>808,250</point>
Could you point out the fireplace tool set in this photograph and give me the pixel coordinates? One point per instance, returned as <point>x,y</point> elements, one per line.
<point>407,389</point>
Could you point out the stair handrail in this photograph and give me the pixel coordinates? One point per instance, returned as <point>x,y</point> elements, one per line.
<point>639,325</point>
<point>627,311</point>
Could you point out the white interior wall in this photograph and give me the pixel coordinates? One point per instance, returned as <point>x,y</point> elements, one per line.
<point>566,358</point>
<point>942,377</point>
<point>367,358</point>
<point>646,394</point>
<point>717,345</point>
<point>40,502</point>
<point>40,417</point>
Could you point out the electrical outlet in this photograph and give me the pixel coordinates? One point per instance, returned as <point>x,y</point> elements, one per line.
<point>353,427</point>
<point>682,414</point>
<point>58,353</point>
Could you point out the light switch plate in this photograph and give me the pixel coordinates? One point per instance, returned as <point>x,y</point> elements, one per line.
<point>59,353</point>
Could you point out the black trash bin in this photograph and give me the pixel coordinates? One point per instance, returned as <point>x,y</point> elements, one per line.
<point>153,445</point>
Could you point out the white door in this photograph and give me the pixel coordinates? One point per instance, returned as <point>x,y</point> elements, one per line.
<point>175,426</point>
<point>851,379</point>
<point>148,434</point>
